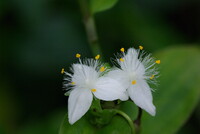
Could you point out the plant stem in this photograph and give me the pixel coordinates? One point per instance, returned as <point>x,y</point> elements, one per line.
<point>90,27</point>
<point>137,122</point>
<point>128,119</point>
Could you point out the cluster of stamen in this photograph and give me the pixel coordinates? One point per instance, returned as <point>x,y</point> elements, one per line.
<point>73,83</point>
<point>157,61</point>
<point>141,47</point>
<point>152,77</point>
<point>78,55</point>
<point>62,71</point>
<point>121,59</point>
<point>93,90</point>
<point>97,57</point>
<point>133,82</point>
<point>102,69</point>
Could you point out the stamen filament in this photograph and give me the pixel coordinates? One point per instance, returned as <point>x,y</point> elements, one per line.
<point>62,71</point>
<point>141,47</point>
<point>122,49</point>
<point>102,69</point>
<point>121,59</point>
<point>133,82</point>
<point>73,83</point>
<point>97,57</point>
<point>152,77</point>
<point>157,62</point>
<point>93,90</point>
<point>78,55</point>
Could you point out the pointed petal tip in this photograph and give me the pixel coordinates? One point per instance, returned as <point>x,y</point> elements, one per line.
<point>152,111</point>
<point>71,122</point>
<point>78,104</point>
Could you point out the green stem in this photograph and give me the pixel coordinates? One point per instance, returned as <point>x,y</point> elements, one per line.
<point>137,122</point>
<point>128,119</point>
<point>90,27</point>
<point>96,105</point>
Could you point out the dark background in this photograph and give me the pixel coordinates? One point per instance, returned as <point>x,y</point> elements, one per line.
<point>39,37</point>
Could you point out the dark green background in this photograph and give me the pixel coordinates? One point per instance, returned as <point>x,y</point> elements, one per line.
<point>39,37</point>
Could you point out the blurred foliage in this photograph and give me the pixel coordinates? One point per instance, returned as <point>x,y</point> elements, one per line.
<point>178,92</point>
<point>39,37</point>
<point>101,5</point>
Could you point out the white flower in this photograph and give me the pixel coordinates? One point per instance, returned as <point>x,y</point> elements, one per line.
<point>86,80</point>
<point>136,69</point>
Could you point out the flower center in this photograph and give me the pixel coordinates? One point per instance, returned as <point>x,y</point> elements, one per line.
<point>102,69</point>
<point>133,82</point>
<point>93,90</point>
<point>73,83</point>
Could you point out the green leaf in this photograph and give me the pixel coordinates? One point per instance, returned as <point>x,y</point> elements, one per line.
<point>117,125</point>
<point>129,108</point>
<point>178,92</point>
<point>101,5</point>
<point>82,126</point>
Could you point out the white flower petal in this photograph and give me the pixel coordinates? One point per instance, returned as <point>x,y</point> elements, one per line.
<point>84,76</point>
<point>140,93</point>
<point>109,89</point>
<point>78,104</point>
<point>120,76</point>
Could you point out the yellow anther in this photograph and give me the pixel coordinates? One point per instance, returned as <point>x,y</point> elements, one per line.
<point>158,61</point>
<point>93,90</point>
<point>140,47</point>
<point>121,59</point>
<point>122,49</point>
<point>73,83</point>
<point>78,55</point>
<point>97,57</point>
<point>62,71</point>
<point>133,82</point>
<point>152,77</point>
<point>102,69</point>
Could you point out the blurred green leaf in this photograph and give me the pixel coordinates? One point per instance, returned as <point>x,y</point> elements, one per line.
<point>129,108</point>
<point>117,125</point>
<point>97,121</point>
<point>178,92</point>
<point>101,5</point>
<point>82,126</point>
<point>101,118</point>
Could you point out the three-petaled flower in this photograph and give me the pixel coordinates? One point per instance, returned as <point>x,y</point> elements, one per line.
<point>135,70</point>
<point>87,80</point>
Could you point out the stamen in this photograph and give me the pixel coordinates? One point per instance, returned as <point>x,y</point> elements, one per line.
<point>78,55</point>
<point>97,57</point>
<point>133,82</point>
<point>121,59</point>
<point>73,83</point>
<point>62,71</point>
<point>93,90</point>
<point>140,47</point>
<point>158,62</point>
<point>152,77</point>
<point>122,49</point>
<point>102,69</point>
